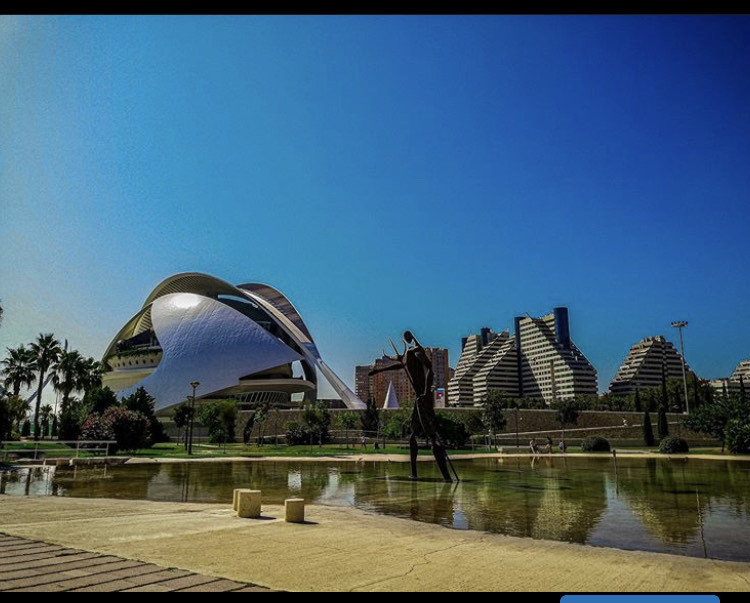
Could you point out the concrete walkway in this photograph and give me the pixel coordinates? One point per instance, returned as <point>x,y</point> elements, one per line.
<point>349,549</point>
<point>34,566</point>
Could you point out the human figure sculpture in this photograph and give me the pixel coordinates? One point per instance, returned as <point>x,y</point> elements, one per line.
<point>415,361</point>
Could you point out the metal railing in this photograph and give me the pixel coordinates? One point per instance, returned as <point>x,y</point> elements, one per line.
<point>14,447</point>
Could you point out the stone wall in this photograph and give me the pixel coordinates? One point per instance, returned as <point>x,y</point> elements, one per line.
<point>619,427</point>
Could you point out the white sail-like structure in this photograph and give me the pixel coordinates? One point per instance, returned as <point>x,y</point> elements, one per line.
<point>391,400</point>
<point>241,342</point>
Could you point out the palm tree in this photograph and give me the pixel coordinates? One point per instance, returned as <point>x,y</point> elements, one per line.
<point>69,373</point>
<point>18,369</point>
<point>90,374</point>
<point>46,415</point>
<point>18,409</point>
<point>46,351</point>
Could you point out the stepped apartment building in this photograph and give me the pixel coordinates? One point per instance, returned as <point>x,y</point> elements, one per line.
<point>643,366</point>
<point>731,385</point>
<point>539,361</point>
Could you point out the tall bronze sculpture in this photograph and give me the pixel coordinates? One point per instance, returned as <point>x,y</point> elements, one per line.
<point>418,366</point>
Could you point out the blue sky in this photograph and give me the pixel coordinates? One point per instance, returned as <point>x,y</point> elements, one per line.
<point>433,173</point>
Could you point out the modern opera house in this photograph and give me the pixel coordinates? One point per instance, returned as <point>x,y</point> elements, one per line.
<point>246,342</point>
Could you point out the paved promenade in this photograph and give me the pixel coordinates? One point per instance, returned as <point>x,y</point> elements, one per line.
<point>343,548</point>
<point>34,566</point>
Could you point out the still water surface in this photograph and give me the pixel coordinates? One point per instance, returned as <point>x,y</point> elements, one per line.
<point>696,508</point>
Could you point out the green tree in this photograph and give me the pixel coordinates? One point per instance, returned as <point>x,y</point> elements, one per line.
<point>261,416</point>
<point>141,401</point>
<point>567,414</point>
<point>347,421</point>
<point>6,422</point>
<point>18,410</point>
<point>662,423</point>
<point>18,369</point>
<point>45,417</point>
<point>493,417</point>
<point>370,418</point>
<point>99,399</point>
<point>220,418</point>
<point>247,431</point>
<point>712,419</point>
<point>317,420</point>
<point>67,374</point>
<point>46,350</point>
<point>181,417</point>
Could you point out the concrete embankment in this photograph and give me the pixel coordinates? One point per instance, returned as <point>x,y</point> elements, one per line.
<point>349,549</point>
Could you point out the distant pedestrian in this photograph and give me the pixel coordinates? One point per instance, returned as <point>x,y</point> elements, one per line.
<point>549,445</point>
<point>364,442</point>
<point>562,446</point>
<point>532,446</point>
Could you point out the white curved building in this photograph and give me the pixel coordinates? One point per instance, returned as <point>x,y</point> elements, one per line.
<point>246,342</point>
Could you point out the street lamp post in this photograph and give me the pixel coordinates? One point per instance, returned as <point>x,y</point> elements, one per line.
<point>194,385</point>
<point>680,324</point>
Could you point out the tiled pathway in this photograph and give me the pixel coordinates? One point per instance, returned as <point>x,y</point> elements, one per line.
<point>33,566</point>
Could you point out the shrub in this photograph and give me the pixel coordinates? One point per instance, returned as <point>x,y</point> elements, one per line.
<point>128,428</point>
<point>96,427</point>
<point>131,429</point>
<point>595,444</point>
<point>452,431</point>
<point>297,434</point>
<point>738,436</point>
<point>673,445</point>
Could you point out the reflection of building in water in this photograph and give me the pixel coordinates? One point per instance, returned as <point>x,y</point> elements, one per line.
<point>561,519</point>
<point>294,480</point>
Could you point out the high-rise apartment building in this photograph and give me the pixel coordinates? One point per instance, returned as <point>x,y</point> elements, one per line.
<point>375,387</point>
<point>364,383</point>
<point>643,366</point>
<point>539,361</point>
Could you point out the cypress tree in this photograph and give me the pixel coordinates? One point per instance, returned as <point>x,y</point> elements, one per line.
<point>662,425</point>
<point>638,407</point>
<point>696,399</point>
<point>648,430</point>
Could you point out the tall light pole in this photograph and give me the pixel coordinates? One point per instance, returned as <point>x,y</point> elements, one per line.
<point>194,385</point>
<point>680,324</point>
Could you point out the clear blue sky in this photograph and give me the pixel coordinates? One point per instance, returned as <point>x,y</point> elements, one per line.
<point>433,173</point>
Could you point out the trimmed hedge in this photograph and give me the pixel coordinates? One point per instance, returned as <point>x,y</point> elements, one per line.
<point>673,445</point>
<point>595,444</point>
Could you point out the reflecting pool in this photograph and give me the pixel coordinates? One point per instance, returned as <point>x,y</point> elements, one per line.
<point>688,507</point>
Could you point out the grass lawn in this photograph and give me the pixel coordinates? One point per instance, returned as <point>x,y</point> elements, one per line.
<point>218,450</point>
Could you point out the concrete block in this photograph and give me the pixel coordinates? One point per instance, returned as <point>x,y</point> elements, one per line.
<point>248,503</point>
<point>294,510</point>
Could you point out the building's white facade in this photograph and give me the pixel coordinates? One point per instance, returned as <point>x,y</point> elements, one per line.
<point>643,366</point>
<point>247,342</point>
<point>734,383</point>
<point>539,361</point>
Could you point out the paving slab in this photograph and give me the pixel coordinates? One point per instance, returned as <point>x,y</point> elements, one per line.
<point>344,548</point>
<point>42,567</point>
